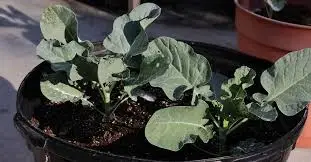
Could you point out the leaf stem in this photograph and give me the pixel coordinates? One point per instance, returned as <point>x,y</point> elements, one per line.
<point>214,120</point>
<point>102,113</point>
<point>222,139</point>
<point>113,109</point>
<point>269,11</point>
<point>102,96</point>
<point>236,126</point>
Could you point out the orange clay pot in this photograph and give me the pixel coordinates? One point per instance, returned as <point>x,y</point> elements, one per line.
<point>304,140</point>
<point>271,39</point>
<point>267,38</point>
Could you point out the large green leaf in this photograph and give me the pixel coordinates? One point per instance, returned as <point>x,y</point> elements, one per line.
<point>276,5</point>
<point>172,127</point>
<point>60,23</point>
<point>233,91</point>
<point>265,112</point>
<point>128,34</point>
<point>131,88</point>
<point>288,82</point>
<point>186,69</point>
<point>55,88</point>
<point>154,64</point>
<point>60,57</point>
<point>53,54</point>
<point>108,67</point>
<point>146,13</point>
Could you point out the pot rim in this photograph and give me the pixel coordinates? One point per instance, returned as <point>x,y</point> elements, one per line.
<point>262,150</point>
<point>276,22</point>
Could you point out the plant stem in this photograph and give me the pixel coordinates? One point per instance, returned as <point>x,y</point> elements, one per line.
<point>113,109</point>
<point>102,96</point>
<point>269,11</point>
<point>105,93</point>
<point>236,126</point>
<point>222,140</point>
<point>214,120</point>
<point>102,113</point>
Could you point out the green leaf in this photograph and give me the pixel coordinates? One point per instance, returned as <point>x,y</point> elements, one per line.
<point>86,67</point>
<point>108,67</point>
<point>154,64</point>
<point>186,69</point>
<point>234,93</point>
<point>172,127</point>
<point>69,68</point>
<point>265,112</point>
<point>131,91</point>
<point>259,97</point>
<point>130,87</point>
<point>116,41</point>
<point>128,34</point>
<point>60,23</point>
<point>288,82</point>
<point>53,54</point>
<point>146,13</point>
<point>136,91</point>
<point>57,90</point>
<point>276,5</point>
<point>61,66</point>
<point>64,58</point>
<point>204,92</point>
<point>74,73</point>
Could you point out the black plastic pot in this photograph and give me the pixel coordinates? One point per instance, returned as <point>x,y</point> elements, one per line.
<point>53,149</point>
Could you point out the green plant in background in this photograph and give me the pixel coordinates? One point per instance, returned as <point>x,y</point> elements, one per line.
<point>274,6</point>
<point>173,66</point>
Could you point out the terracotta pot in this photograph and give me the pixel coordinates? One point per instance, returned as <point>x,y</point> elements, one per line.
<point>267,38</point>
<point>304,139</point>
<point>271,39</point>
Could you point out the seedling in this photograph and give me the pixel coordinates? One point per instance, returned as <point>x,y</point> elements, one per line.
<point>131,59</point>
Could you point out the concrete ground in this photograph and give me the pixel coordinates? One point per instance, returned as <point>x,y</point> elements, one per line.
<point>20,33</point>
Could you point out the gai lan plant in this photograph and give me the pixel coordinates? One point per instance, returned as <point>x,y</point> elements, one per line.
<point>131,59</point>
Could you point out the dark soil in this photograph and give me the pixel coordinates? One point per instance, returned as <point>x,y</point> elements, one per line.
<point>295,14</point>
<point>124,133</point>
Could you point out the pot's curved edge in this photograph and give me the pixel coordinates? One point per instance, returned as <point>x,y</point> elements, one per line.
<point>304,140</point>
<point>267,38</point>
<point>237,3</point>
<point>96,152</point>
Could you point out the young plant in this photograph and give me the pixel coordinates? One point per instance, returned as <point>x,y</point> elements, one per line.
<point>172,66</point>
<point>68,55</point>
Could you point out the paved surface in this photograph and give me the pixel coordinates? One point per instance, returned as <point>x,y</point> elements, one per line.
<point>19,34</point>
